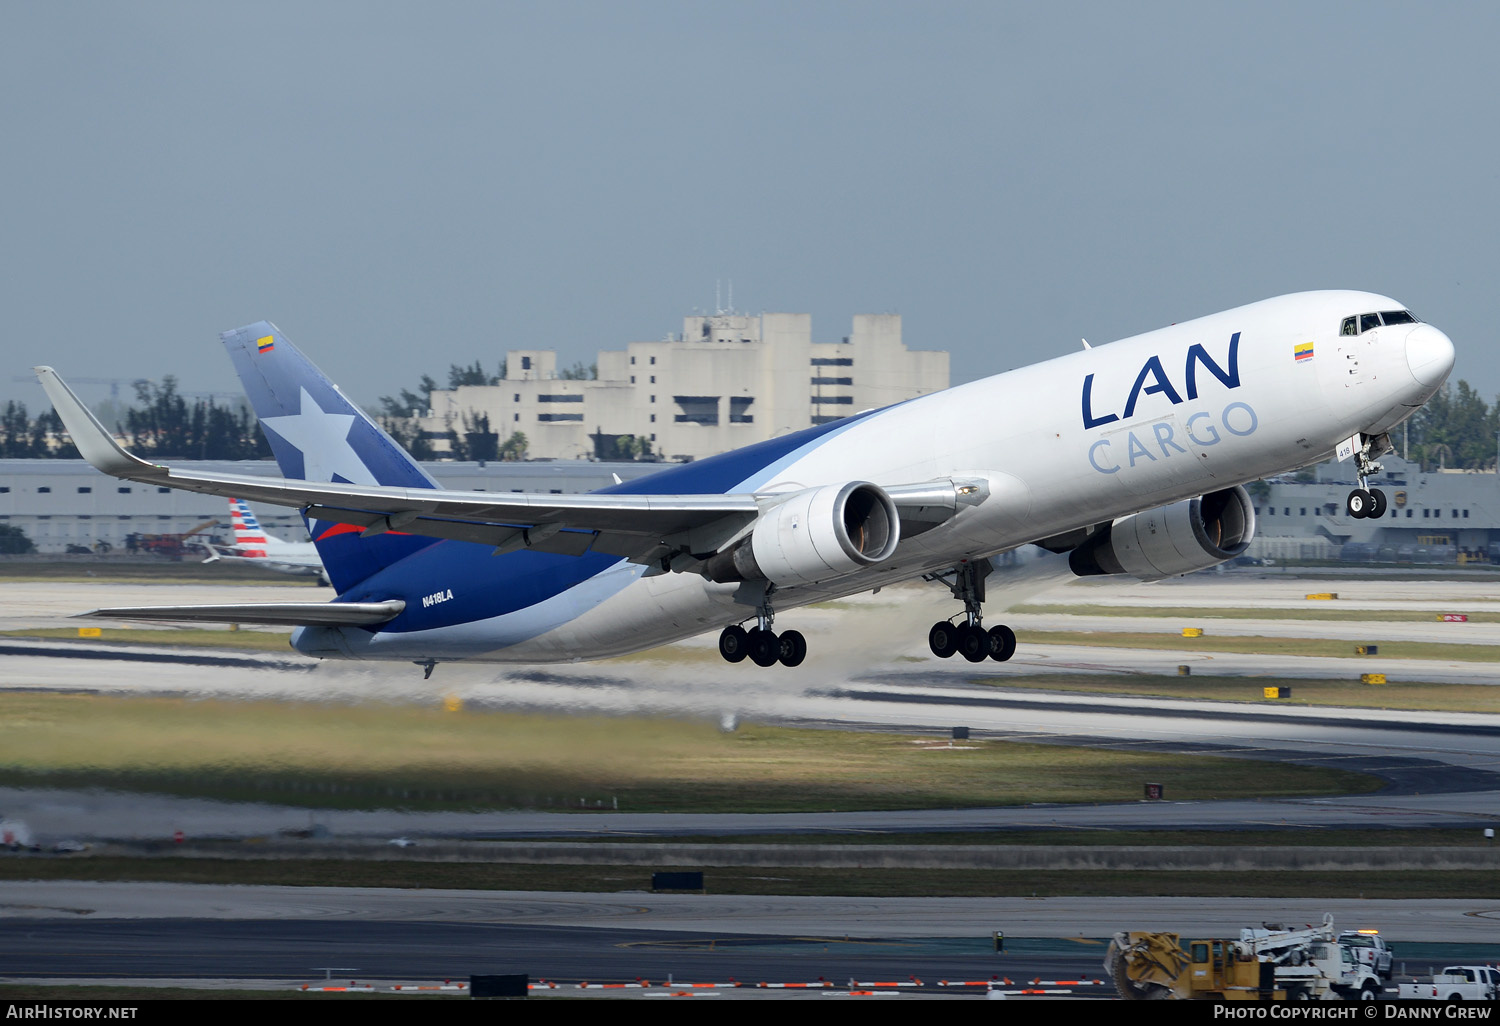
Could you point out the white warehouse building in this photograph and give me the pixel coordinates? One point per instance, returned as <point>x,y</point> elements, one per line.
<point>727,381</point>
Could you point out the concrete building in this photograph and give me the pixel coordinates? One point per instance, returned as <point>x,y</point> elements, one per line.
<point>1445,516</point>
<point>728,380</point>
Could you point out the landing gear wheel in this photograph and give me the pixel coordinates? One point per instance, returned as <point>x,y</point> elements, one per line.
<point>734,644</point>
<point>1359,503</point>
<point>1378,504</point>
<point>765,647</point>
<point>793,648</point>
<point>973,643</point>
<point>1002,643</point>
<point>943,639</point>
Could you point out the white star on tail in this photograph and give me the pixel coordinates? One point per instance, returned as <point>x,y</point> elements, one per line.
<point>323,440</point>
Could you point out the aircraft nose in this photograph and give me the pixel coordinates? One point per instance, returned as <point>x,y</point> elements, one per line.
<point>1429,354</point>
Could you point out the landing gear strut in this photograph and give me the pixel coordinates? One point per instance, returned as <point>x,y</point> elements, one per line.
<point>762,644</point>
<point>969,638</point>
<point>1365,502</point>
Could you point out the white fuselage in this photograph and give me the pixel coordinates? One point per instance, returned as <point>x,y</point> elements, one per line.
<point>1075,441</point>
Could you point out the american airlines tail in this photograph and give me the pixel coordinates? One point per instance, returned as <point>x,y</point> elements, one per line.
<point>249,539</point>
<point>319,435</point>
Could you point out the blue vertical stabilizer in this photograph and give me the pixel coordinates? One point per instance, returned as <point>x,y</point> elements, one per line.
<point>319,435</point>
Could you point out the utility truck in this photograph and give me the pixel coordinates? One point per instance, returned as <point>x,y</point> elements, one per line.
<point>1267,963</point>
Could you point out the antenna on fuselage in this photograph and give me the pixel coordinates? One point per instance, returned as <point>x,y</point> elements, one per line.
<point>1085,343</point>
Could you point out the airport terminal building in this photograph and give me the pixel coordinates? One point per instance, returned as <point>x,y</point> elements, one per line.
<point>1444,516</point>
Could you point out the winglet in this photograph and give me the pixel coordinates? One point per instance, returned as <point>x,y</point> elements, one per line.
<point>94,443</point>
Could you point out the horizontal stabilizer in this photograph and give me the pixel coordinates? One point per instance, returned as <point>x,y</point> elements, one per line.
<point>275,614</point>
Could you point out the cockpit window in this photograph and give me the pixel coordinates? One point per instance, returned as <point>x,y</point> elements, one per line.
<point>1365,322</point>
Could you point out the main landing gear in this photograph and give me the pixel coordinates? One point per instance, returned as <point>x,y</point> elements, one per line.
<point>763,645</point>
<point>969,638</point>
<point>1366,503</point>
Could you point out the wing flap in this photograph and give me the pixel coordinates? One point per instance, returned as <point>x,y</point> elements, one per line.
<point>273,614</point>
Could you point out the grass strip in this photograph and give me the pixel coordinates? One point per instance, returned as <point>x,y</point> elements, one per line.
<point>1077,837</point>
<point>1312,611</point>
<point>1305,691</point>
<point>189,571</point>
<point>767,881</point>
<point>374,755</point>
<point>1261,645</point>
<point>273,639</point>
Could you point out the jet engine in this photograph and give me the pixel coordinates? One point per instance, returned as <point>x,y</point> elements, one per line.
<point>1193,534</point>
<point>814,535</point>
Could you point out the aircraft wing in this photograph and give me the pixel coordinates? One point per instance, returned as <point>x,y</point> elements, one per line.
<point>278,614</point>
<point>643,528</point>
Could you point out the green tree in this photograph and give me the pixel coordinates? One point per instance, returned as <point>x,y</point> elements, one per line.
<point>479,442</point>
<point>17,441</point>
<point>621,447</point>
<point>47,428</point>
<point>407,434</point>
<point>514,448</point>
<point>1455,429</point>
<point>408,403</point>
<point>475,375</point>
<point>13,541</point>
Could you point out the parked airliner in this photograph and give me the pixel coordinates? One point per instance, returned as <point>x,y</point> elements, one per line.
<point>254,546</point>
<point>1127,459</point>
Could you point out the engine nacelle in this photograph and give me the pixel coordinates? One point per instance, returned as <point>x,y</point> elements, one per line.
<point>814,535</point>
<point>1193,534</point>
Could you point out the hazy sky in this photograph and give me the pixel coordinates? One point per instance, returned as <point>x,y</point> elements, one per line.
<point>401,186</point>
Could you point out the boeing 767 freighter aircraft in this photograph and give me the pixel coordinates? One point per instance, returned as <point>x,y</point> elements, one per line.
<point>1123,459</point>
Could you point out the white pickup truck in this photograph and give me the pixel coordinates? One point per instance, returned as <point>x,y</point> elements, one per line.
<point>1456,983</point>
<point>1371,949</point>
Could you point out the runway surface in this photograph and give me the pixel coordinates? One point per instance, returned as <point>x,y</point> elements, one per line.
<point>868,669</point>
<point>1428,920</point>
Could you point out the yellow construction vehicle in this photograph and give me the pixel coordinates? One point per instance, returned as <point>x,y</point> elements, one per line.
<point>1147,966</point>
<point>1270,963</point>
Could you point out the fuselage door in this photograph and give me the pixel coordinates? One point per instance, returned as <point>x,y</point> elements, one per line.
<point>1354,351</point>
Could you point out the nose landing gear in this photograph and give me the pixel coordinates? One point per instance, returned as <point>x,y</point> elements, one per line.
<point>1365,502</point>
<point>969,638</point>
